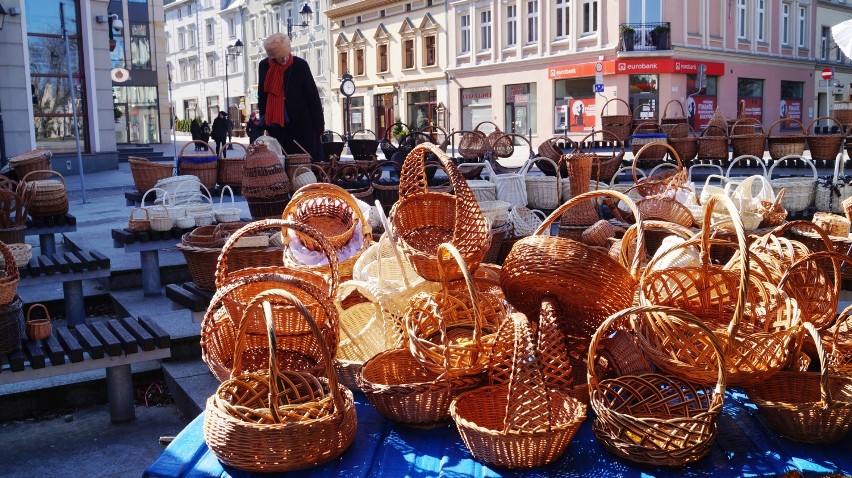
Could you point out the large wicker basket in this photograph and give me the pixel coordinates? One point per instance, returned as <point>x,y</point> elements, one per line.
<point>785,145</point>
<point>202,164</point>
<point>824,147</point>
<point>146,173</point>
<point>11,326</point>
<point>621,126</point>
<point>230,170</point>
<point>9,276</point>
<point>801,190</point>
<point>271,420</point>
<point>752,142</point>
<point>713,144</point>
<point>668,123</point>
<point>49,196</point>
<point>684,141</point>
<point>35,160</point>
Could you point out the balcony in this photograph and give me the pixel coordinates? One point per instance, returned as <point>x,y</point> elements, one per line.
<point>645,36</point>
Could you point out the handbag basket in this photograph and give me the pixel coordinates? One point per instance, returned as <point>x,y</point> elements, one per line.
<point>750,142</point>
<point>146,173</point>
<point>202,164</point>
<point>452,332</point>
<point>517,421</point>
<point>786,145</point>
<point>621,126</point>
<point>806,407</point>
<point>35,160</point>
<point>756,325</point>
<point>38,329</point>
<point>801,190</point>
<point>824,147</point>
<point>268,420</point>
<point>9,276</point>
<point>604,166</point>
<point>683,140</point>
<point>230,170</point>
<point>668,124</point>
<point>656,418</point>
<point>510,187</point>
<point>49,196</point>
<point>11,326</point>
<point>362,329</point>
<point>422,220</point>
<point>713,144</point>
<point>539,266</point>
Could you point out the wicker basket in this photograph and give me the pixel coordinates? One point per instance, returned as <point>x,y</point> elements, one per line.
<point>807,407</point>
<point>280,421</point>
<point>655,418</point>
<point>49,196</point>
<point>801,190</point>
<point>669,124</point>
<point>751,142</point>
<point>620,126</point>
<point>139,222</point>
<point>540,266</point>
<point>423,220</point>
<point>9,276</point>
<point>519,422</point>
<point>649,133</point>
<point>363,149</point>
<point>202,164</point>
<point>684,141</point>
<point>362,329</point>
<point>604,166</point>
<point>814,285</point>
<point>22,253</point>
<point>35,160</point>
<point>230,170</point>
<point>224,213</point>
<point>550,149</point>
<point>38,329</point>
<point>146,173</point>
<point>824,147</point>
<point>332,150</point>
<point>296,160</point>
<point>713,144</point>
<point>840,339</point>
<point>327,208</point>
<point>665,177</point>
<point>786,145</point>
<point>11,326</point>
<point>265,184</point>
<point>472,145</point>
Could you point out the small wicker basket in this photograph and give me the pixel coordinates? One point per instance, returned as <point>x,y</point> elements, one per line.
<point>38,329</point>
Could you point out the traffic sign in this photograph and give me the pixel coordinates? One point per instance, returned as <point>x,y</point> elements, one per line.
<point>599,88</point>
<point>827,73</point>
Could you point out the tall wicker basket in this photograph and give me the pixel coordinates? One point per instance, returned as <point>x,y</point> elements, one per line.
<point>230,170</point>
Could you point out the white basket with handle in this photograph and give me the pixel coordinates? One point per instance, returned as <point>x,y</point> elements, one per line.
<point>801,190</point>
<point>227,214</point>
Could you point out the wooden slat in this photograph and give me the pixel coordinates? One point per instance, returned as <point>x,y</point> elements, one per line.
<point>122,237</point>
<point>62,263</point>
<point>192,287</point>
<point>70,220</point>
<point>112,344</point>
<point>91,343</point>
<point>72,347</point>
<point>47,266</point>
<point>127,340</point>
<point>143,337</point>
<point>88,261</point>
<point>16,361</point>
<point>53,350</point>
<point>186,298</point>
<point>34,267</point>
<point>74,261</point>
<point>162,338</point>
<point>34,354</point>
<point>103,261</point>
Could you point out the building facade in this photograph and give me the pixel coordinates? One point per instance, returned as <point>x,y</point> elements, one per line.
<point>38,100</point>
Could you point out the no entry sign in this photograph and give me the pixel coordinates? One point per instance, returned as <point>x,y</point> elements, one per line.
<point>827,73</point>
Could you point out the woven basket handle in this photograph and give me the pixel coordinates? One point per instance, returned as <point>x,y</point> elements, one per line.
<point>558,212</point>
<point>528,402</point>
<point>328,250</point>
<point>679,177</point>
<point>629,109</point>
<point>229,145</point>
<point>46,172</point>
<point>788,120</point>
<point>824,388</point>
<point>837,259</point>
<point>468,218</point>
<point>744,190</point>
<point>305,151</point>
<point>629,237</point>
<point>9,265</point>
<point>196,142</point>
<point>617,144</point>
<point>368,292</point>
<point>820,118</point>
<point>392,239</point>
<point>222,196</point>
<point>528,164</point>
<point>675,320</point>
<point>841,319</point>
<point>797,157</point>
<point>666,110</point>
<point>136,210</point>
<point>704,166</point>
<point>43,308</point>
<point>612,181</point>
<point>736,160</point>
<point>326,190</point>
<point>447,253</point>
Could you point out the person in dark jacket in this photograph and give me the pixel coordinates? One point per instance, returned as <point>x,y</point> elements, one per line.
<point>220,131</point>
<point>288,100</point>
<point>204,135</point>
<point>253,127</point>
<point>195,131</point>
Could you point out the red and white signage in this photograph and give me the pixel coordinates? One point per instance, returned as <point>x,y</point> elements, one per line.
<point>827,73</point>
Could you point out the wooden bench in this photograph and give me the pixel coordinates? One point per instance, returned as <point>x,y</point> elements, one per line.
<point>148,244</point>
<point>47,227</point>
<point>70,268</point>
<point>111,345</point>
<point>189,296</point>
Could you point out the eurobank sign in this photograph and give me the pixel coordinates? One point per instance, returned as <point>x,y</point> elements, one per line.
<point>635,66</point>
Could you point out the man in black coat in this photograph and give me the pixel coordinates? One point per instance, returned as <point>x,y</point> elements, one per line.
<point>288,100</point>
<point>220,131</point>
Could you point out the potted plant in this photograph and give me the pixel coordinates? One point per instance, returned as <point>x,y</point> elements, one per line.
<point>628,37</point>
<point>660,37</point>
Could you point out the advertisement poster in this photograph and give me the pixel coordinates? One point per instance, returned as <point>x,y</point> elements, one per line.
<point>752,108</point>
<point>790,109</point>
<point>583,113</point>
<point>699,111</point>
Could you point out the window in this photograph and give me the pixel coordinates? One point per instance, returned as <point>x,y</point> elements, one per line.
<point>140,47</point>
<point>265,23</point>
<point>475,106</point>
<point>277,21</point>
<point>168,45</point>
<point>511,25</point>
<point>319,54</point>
<point>761,20</point>
<point>532,21</point>
<point>359,62</point>
<point>430,50</point>
<point>590,16</point>
<point>803,29</point>
<point>184,71</point>
<point>342,63</point>
<point>191,37</point>
<point>181,40</point>
<point>408,53</point>
<point>792,94</point>
<point>826,31</point>
<point>741,19</point>
<point>208,31</point>
<point>485,30</point>
<point>563,17</point>
<point>317,13</point>
<point>520,116</point>
<point>232,27</point>
<point>785,24</point>
<point>193,68</point>
<point>189,9</point>
<point>465,34</point>
<point>180,13</point>
<point>382,59</point>
<point>211,65</point>
<point>253,27</point>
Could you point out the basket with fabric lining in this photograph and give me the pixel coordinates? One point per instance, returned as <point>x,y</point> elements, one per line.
<point>423,219</point>
<point>146,173</point>
<point>328,209</point>
<point>230,170</point>
<point>517,421</point>
<point>657,418</point>
<point>35,160</point>
<point>785,145</point>
<point>272,420</point>
<point>752,141</point>
<point>824,147</point>
<point>355,179</point>
<point>202,164</point>
<point>649,133</point>
<point>621,126</point>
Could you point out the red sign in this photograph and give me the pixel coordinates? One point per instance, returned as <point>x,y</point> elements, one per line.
<point>582,113</point>
<point>791,109</point>
<point>699,111</point>
<point>827,73</point>
<point>635,66</point>
<point>752,108</point>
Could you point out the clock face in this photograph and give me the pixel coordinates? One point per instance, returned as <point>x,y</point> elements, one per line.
<point>347,87</point>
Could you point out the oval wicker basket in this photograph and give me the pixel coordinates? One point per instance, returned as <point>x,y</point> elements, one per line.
<point>785,145</point>
<point>230,170</point>
<point>49,196</point>
<point>35,160</point>
<point>801,190</point>
<point>713,144</point>
<point>752,141</point>
<point>146,173</point>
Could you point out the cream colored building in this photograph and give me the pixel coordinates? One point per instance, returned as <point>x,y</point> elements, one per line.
<point>839,87</point>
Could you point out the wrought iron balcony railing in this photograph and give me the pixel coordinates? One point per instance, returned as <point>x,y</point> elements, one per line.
<point>645,36</point>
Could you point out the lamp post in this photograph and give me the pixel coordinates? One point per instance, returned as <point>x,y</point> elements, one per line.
<point>234,51</point>
<point>306,13</point>
<point>347,88</point>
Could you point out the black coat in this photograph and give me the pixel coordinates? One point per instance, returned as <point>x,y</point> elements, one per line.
<point>304,121</point>
<point>220,129</point>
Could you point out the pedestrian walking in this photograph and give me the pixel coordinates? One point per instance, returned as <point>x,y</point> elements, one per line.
<point>220,131</point>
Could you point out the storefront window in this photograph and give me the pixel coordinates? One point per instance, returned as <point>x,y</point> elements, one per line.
<point>140,49</point>
<point>701,105</point>
<point>476,106</point>
<point>422,108</point>
<point>141,114</point>
<point>356,109</point>
<point>574,106</point>
<point>750,98</point>
<point>792,94</point>
<point>53,111</point>
<point>644,97</point>
<point>521,108</point>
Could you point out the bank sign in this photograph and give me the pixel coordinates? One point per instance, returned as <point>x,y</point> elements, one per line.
<point>634,67</point>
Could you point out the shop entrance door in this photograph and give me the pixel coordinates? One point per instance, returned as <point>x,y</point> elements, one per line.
<point>384,114</point>
<point>122,131</point>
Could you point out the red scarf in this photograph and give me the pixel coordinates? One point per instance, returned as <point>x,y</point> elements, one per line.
<point>273,85</point>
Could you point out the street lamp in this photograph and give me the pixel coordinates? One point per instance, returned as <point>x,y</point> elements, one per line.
<point>233,51</point>
<point>306,13</point>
